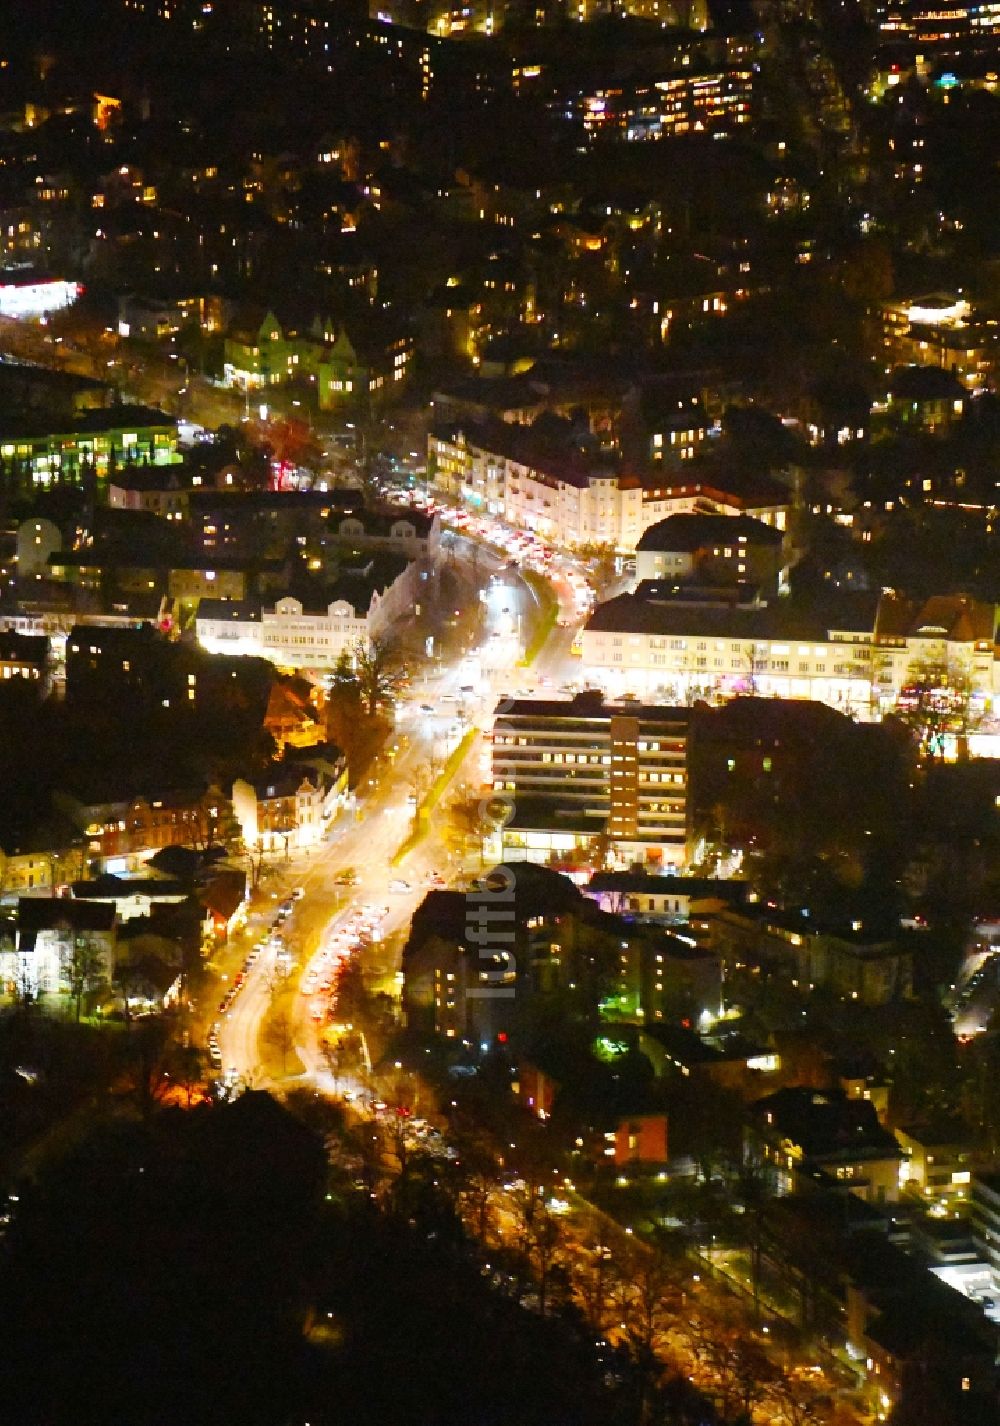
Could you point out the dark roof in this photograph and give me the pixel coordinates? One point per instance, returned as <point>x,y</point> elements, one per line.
<point>692,532</point>
<point>224,894</point>
<point>44,913</point>
<point>826,1124</point>
<point>537,891</point>
<point>233,610</point>
<point>925,383</point>
<point>94,422</point>
<point>653,609</point>
<point>714,481</point>
<point>185,863</point>
<point>324,757</point>
<point>280,781</point>
<point>688,1047</point>
<point>695,887</point>
<point>589,704</point>
<point>26,648</point>
<point>151,477</point>
<point>108,887</point>
<point>205,501</point>
<point>381,520</point>
<point>157,973</point>
<point>499,393</point>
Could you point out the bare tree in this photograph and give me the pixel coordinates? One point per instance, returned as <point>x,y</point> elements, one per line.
<point>936,701</point>
<point>379,674</point>
<point>544,1242</point>
<point>82,968</point>
<point>280,1034</point>
<point>794,1402</point>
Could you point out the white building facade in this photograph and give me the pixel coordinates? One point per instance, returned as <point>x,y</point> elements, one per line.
<point>568,505</point>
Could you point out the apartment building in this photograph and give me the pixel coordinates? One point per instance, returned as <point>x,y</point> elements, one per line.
<point>666,643</point>
<point>941,329</point>
<point>582,771</point>
<point>559,496</point>
<point>711,548</point>
<point>674,643</point>
<point>706,100</point>
<point>361,607</point>
<point>563,498</point>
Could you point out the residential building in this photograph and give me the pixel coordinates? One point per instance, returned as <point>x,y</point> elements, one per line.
<point>949,636</point>
<point>665,421</point>
<point>23,655</point>
<point>859,652</point>
<point>666,642</point>
<point>811,1138</point>
<point>37,539</point>
<point>361,607</point>
<point>41,857</point>
<point>639,1138</point>
<point>143,668</point>
<point>711,549</point>
<point>261,524</point>
<point>728,1061</point>
<point>118,833</point>
<point>151,318</point>
<point>855,961</point>
<point>413,533</point>
<point>472,957</point>
<point>223,898</point>
<point>918,1339</point>
<point>132,897</point>
<point>699,99</point>
<point>664,493</point>
<point>622,769</point>
<point>937,1162</point>
<point>289,808</point>
<point>670,899</point>
<point>576,496</point>
<point>181,578</point>
<point>663,977</point>
<point>941,330</point>
<point>160,490</point>
<point>349,363</point>
<point>561,495</point>
<point>926,398</point>
<point>59,941</point>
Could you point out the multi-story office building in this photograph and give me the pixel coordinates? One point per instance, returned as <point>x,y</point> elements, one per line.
<point>582,772</point>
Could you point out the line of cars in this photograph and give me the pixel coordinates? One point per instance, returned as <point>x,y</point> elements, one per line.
<point>319,980</point>
<point>272,941</point>
<point>527,550</point>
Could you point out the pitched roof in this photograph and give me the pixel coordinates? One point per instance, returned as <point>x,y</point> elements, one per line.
<point>642,612</point>
<point>925,383</point>
<point>225,893</point>
<point>691,532</point>
<point>827,1125</point>
<point>957,617</point>
<point>47,913</point>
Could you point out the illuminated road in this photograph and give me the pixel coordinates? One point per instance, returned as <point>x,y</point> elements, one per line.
<point>366,840</point>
